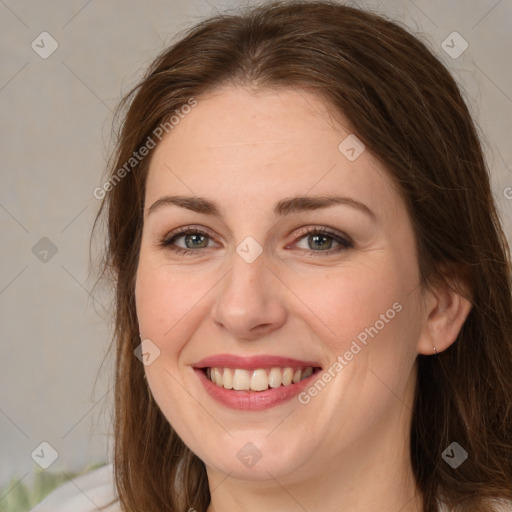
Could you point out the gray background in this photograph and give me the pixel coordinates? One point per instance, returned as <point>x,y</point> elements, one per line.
<point>56,115</point>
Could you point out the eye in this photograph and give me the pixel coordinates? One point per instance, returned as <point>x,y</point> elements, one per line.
<point>193,238</point>
<point>317,238</point>
<point>322,238</point>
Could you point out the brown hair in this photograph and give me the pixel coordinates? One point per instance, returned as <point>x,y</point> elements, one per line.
<point>407,109</point>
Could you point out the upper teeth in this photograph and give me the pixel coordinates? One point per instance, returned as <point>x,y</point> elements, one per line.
<point>257,380</point>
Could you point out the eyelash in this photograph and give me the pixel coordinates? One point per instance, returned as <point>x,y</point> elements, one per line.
<point>169,240</point>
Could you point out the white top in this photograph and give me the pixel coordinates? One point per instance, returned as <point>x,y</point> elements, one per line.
<point>86,493</point>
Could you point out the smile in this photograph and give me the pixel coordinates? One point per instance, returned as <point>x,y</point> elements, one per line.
<point>260,379</point>
<point>254,383</point>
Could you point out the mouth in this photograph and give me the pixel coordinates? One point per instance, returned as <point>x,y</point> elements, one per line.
<point>254,383</point>
<point>260,379</point>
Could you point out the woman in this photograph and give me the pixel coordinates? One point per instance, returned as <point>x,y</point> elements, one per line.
<point>310,275</point>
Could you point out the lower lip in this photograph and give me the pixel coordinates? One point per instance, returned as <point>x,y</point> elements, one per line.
<point>252,400</point>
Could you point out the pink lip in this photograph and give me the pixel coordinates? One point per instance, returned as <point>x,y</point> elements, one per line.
<point>252,363</point>
<point>252,400</point>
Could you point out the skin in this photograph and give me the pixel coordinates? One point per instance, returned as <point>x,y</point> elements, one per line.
<point>348,448</point>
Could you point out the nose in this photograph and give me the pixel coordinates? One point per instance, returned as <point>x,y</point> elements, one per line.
<point>250,301</point>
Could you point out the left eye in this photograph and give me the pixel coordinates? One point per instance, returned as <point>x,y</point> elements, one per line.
<point>321,239</point>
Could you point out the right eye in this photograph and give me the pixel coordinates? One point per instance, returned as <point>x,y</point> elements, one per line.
<point>196,236</point>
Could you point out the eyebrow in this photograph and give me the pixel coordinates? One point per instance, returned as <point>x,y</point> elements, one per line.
<point>284,207</point>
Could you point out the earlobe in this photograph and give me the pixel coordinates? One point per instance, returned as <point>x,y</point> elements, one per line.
<point>446,310</point>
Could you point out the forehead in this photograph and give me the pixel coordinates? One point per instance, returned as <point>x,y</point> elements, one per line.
<point>256,147</point>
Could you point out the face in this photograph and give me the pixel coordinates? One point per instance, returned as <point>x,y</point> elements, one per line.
<point>271,289</point>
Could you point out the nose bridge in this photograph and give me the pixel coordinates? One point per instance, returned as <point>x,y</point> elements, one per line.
<point>246,301</point>
<point>245,277</point>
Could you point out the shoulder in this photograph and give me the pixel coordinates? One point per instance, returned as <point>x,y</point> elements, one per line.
<point>85,493</point>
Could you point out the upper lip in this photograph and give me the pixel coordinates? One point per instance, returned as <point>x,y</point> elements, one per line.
<point>252,362</point>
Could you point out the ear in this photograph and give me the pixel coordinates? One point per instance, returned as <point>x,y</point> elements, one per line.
<point>446,307</point>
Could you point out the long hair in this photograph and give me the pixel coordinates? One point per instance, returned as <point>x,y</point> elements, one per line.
<point>409,112</point>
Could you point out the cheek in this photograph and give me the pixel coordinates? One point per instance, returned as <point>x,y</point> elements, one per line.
<point>378,327</point>
<point>168,300</point>
<point>153,302</point>
<point>360,302</point>
<point>368,319</point>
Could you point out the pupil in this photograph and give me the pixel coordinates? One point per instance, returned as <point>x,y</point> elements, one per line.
<point>317,237</point>
<point>194,236</point>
